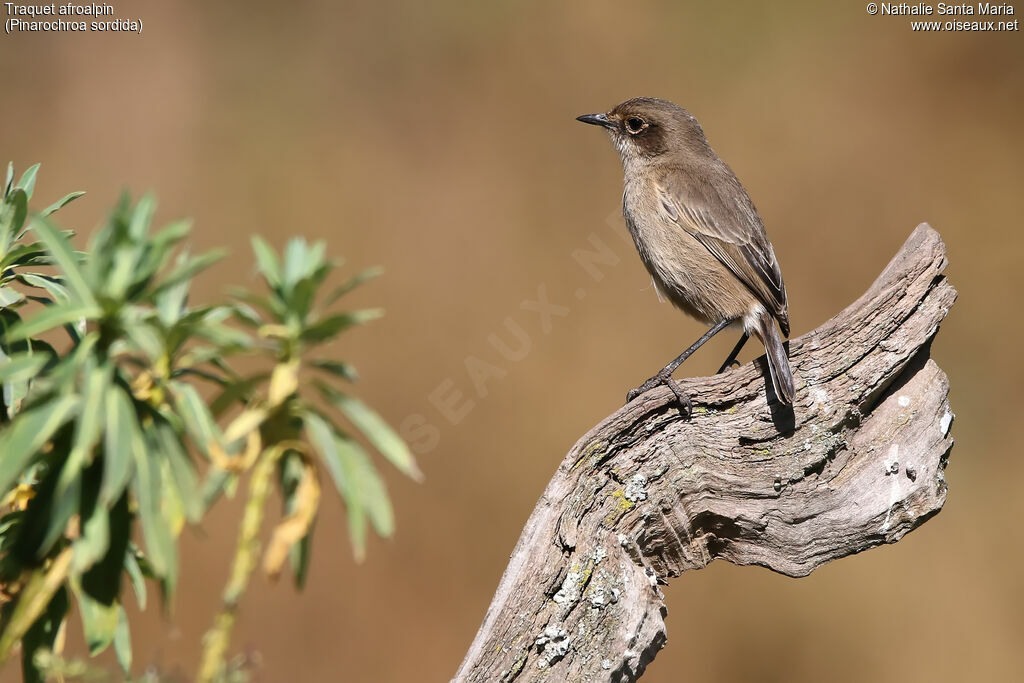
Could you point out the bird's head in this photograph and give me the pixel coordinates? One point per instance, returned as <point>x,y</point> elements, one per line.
<point>646,128</point>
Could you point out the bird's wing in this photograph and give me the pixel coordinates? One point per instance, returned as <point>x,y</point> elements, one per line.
<point>731,230</point>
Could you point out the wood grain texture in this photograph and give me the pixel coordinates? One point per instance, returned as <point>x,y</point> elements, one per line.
<point>646,495</point>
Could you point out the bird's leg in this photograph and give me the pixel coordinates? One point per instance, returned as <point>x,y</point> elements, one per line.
<point>732,355</point>
<point>664,376</point>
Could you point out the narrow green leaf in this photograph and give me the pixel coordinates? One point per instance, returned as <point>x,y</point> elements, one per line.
<point>19,367</point>
<point>302,295</point>
<point>28,180</point>
<point>28,432</point>
<point>145,566</point>
<point>8,527</point>
<point>61,510</point>
<point>10,178</point>
<point>313,276</point>
<point>60,248</point>
<point>375,429</point>
<point>225,338</point>
<point>237,391</point>
<point>22,255</point>
<point>182,471</point>
<point>12,392</point>
<point>122,440</point>
<point>9,297</point>
<point>144,338</point>
<point>99,621</point>
<point>94,542</point>
<point>189,270</point>
<point>295,262</point>
<point>87,427</point>
<point>109,536</point>
<point>298,559</point>
<point>170,303</point>
<point>272,305</point>
<point>159,249</point>
<point>246,314</point>
<point>13,211</point>
<point>337,368</point>
<point>374,494</point>
<point>61,203</point>
<point>340,459</point>
<point>171,506</point>
<point>63,377</point>
<point>121,271</point>
<point>198,422</point>
<point>217,482</point>
<point>147,489</point>
<point>357,280</point>
<point>53,287</point>
<point>123,641</point>
<point>333,325</point>
<point>57,315</point>
<point>131,566</point>
<point>142,217</point>
<point>315,257</point>
<point>266,261</point>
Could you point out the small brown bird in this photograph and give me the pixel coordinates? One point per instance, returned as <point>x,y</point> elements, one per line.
<point>698,234</point>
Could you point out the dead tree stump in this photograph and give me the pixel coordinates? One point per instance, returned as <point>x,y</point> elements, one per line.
<point>646,495</point>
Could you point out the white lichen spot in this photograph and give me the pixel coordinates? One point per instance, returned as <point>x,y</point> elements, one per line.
<point>623,540</point>
<point>606,664</point>
<point>945,421</point>
<point>553,644</point>
<point>599,554</point>
<point>819,397</point>
<point>547,634</point>
<point>635,489</point>
<point>904,401</point>
<point>570,590</point>
<point>652,578</point>
<point>598,597</point>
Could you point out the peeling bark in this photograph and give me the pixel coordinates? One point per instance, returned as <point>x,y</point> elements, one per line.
<point>646,495</point>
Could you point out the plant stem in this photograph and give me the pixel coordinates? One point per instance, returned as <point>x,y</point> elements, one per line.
<point>217,639</point>
<point>34,598</point>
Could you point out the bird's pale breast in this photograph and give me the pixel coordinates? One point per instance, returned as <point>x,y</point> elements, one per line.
<point>684,271</point>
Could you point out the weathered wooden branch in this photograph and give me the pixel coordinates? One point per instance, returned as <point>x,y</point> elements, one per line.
<point>646,495</point>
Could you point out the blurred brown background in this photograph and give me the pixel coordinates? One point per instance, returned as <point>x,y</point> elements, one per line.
<point>437,139</point>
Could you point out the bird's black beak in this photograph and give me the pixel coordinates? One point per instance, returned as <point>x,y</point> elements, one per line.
<point>596,120</point>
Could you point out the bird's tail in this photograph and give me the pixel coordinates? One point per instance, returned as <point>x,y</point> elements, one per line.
<point>778,361</point>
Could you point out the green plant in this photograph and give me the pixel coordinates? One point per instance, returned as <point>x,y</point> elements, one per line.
<point>102,420</point>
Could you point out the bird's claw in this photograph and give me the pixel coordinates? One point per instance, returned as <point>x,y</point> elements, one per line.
<point>642,389</point>
<point>681,396</point>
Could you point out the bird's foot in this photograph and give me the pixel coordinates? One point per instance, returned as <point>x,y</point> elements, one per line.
<point>643,388</point>
<point>659,379</point>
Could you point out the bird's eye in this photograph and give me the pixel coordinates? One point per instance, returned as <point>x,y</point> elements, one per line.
<point>635,124</point>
